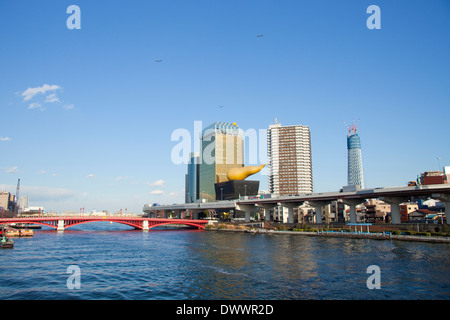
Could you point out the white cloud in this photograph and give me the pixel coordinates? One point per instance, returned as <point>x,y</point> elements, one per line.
<point>90,175</point>
<point>36,105</point>
<point>38,194</point>
<point>68,106</point>
<point>120,178</point>
<point>42,172</point>
<point>51,98</point>
<point>157,192</point>
<point>5,139</point>
<point>157,183</point>
<point>31,92</point>
<point>11,169</point>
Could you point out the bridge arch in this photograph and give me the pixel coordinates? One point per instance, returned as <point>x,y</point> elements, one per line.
<point>62,223</point>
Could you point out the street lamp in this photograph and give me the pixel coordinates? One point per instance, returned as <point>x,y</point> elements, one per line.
<point>221,194</point>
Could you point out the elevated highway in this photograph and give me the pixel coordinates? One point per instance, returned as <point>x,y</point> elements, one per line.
<point>391,195</point>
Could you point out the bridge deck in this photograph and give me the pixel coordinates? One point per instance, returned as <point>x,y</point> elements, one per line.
<point>63,222</point>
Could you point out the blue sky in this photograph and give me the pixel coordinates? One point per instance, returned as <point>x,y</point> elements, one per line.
<point>94,128</point>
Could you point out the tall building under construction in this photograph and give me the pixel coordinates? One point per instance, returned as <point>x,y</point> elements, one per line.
<point>355,167</point>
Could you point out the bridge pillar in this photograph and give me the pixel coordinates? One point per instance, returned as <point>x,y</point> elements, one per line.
<point>290,216</point>
<point>267,208</point>
<point>195,214</point>
<point>395,207</point>
<point>60,226</point>
<point>318,205</point>
<point>446,199</point>
<point>145,225</point>
<point>248,210</point>
<point>352,204</point>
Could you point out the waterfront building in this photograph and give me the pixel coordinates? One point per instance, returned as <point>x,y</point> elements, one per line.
<point>406,209</point>
<point>376,210</point>
<point>355,168</point>
<point>193,178</point>
<point>222,148</point>
<point>289,159</point>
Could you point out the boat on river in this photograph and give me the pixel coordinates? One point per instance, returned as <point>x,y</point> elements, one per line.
<point>11,233</point>
<point>26,232</point>
<point>6,243</point>
<point>25,225</point>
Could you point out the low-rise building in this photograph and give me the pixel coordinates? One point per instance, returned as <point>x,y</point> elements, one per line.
<point>406,209</point>
<point>376,210</point>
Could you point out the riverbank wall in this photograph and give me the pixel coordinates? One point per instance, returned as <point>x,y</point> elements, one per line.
<point>378,234</point>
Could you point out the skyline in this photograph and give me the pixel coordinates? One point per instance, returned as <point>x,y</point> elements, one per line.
<point>86,116</point>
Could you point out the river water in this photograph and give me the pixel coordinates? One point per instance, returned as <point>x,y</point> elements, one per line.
<point>116,262</point>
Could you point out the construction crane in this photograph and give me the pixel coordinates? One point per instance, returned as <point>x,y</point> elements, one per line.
<point>352,127</point>
<point>16,207</point>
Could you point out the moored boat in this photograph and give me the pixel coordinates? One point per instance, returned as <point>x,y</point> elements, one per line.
<point>26,232</point>
<point>12,233</point>
<point>25,225</point>
<point>6,243</point>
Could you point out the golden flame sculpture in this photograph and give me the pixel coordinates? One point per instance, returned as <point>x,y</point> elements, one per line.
<point>243,172</point>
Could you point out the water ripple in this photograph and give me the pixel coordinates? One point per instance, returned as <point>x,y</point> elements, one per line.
<point>128,264</point>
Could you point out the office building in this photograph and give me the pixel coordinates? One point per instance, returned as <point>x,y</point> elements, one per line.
<point>222,148</point>
<point>7,201</point>
<point>23,203</point>
<point>289,159</point>
<point>193,178</point>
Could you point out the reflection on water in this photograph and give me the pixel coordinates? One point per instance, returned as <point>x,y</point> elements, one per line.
<point>118,262</point>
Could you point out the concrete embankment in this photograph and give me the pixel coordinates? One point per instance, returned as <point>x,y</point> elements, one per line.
<point>332,234</point>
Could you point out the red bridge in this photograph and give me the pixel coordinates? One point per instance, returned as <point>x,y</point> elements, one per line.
<point>61,223</point>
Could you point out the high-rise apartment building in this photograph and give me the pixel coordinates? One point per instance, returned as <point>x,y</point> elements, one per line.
<point>222,148</point>
<point>289,159</point>
<point>355,167</point>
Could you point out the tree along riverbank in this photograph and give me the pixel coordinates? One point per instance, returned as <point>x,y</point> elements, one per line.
<point>327,231</point>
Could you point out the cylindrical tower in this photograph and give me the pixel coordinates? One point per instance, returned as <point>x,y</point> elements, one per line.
<point>355,168</point>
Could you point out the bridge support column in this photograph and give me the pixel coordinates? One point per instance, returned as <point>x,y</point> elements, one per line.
<point>395,207</point>
<point>145,225</point>
<point>195,214</point>
<point>446,199</point>
<point>352,204</point>
<point>267,209</point>
<point>248,210</point>
<point>318,205</point>
<point>290,207</point>
<point>60,226</point>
